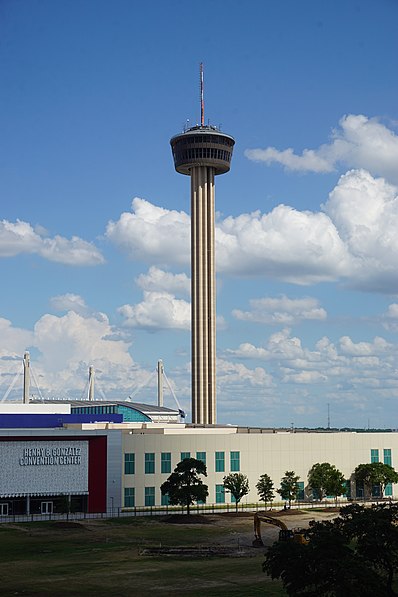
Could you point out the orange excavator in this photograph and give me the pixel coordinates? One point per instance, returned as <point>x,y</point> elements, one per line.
<point>285,534</point>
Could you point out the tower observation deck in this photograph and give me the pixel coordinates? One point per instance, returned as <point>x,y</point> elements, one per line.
<point>202,152</point>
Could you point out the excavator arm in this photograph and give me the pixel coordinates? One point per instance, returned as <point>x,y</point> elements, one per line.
<point>284,533</point>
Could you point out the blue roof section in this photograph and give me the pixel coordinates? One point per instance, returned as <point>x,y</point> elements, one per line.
<point>47,421</point>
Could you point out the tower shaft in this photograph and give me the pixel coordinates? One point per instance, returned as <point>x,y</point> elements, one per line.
<point>203,301</point>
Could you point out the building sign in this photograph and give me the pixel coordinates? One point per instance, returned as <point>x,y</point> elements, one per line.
<point>43,467</point>
<point>50,456</point>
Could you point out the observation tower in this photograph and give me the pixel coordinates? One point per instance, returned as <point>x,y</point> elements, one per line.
<point>202,152</point>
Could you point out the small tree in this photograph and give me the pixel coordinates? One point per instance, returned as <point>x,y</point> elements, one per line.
<point>289,487</point>
<point>265,489</point>
<point>376,473</point>
<point>184,487</point>
<point>326,479</point>
<point>238,485</point>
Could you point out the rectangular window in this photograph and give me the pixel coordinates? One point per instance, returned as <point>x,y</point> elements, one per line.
<point>387,457</point>
<point>300,493</point>
<point>165,499</point>
<point>201,456</point>
<point>129,497</point>
<point>129,463</point>
<point>347,485</point>
<point>185,455</point>
<point>220,494</point>
<point>220,462</point>
<point>359,489</point>
<point>374,456</point>
<point>235,462</point>
<point>150,462</point>
<point>149,496</point>
<point>376,491</point>
<point>166,462</point>
<point>388,490</point>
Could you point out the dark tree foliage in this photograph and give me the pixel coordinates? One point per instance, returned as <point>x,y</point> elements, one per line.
<point>376,473</point>
<point>184,487</point>
<point>289,487</point>
<point>238,485</point>
<point>326,479</point>
<point>356,555</point>
<point>265,488</point>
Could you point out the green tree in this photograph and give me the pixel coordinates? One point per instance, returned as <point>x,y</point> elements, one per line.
<point>375,531</point>
<point>356,555</point>
<point>265,489</point>
<point>375,473</point>
<point>184,487</point>
<point>238,485</point>
<point>289,487</point>
<point>326,479</point>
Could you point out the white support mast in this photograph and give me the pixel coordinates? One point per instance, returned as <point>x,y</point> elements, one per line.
<point>26,377</point>
<point>160,371</point>
<point>91,375</point>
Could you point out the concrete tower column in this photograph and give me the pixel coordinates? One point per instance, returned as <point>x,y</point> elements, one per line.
<point>203,297</point>
<point>203,152</point>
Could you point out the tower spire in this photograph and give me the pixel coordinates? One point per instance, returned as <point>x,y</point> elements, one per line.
<point>202,152</point>
<point>202,101</point>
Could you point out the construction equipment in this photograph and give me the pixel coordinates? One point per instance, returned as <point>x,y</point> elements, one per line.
<point>285,534</point>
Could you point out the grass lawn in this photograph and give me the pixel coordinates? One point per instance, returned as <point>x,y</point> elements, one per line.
<point>102,557</point>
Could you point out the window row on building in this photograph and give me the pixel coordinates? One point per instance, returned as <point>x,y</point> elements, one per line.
<point>97,410</point>
<point>166,462</point>
<point>200,139</point>
<point>375,457</point>
<point>198,153</point>
<point>150,497</point>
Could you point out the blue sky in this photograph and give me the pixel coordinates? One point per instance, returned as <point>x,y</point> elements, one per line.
<point>94,232</point>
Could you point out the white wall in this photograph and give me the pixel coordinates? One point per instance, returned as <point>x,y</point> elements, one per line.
<point>271,453</point>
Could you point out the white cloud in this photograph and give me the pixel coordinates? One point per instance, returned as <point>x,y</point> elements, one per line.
<point>159,280</point>
<point>19,237</point>
<point>236,373</point>
<point>390,318</point>
<point>68,340</point>
<point>364,349</point>
<point>353,240</point>
<point>69,302</point>
<point>158,310</point>
<point>281,311</point>
<point>152,234</point>
<point>304,377</point>
<point>365,212</point>
<point>346,371</point>
<point>359,142</point>
<point>14,341</point>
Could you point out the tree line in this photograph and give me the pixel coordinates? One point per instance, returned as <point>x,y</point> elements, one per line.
<point>184,486</point>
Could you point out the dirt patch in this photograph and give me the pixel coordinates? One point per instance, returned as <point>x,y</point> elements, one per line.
<point>185,519</point>
<point>63,524</point>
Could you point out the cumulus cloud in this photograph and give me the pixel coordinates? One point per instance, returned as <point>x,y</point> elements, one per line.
<point>352,240</point>
<point>281,311</point>
<point>14,341</point>
<point>62,348</point>
<point>364,349</point>
<point>73,338</point>
<point>365,212</point>
<point>346,370</point>
<point>69,302</point>
<point>152,234</point>
<point>229,373</point>
<point>19,237</point>
<point>358,142</point>
<point>390,318</point>
<point>158,311</point>
<point>159,280</point>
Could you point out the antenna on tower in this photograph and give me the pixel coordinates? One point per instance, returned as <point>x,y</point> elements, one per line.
<point>202,101</point>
